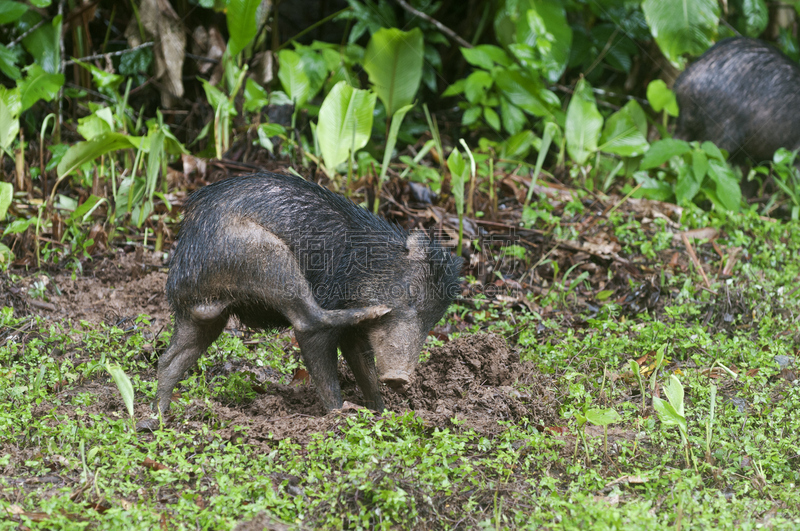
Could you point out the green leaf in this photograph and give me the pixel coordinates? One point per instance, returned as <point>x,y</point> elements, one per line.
<point>123,384</point>
<point>486,56</point>
<point>622,135</point>
<point>674,392</point>
<point>9,125</point>
<point>536,31</point>
<point>663,150</point>
<point>512,116</point>
<point>18,226</point>
<point>11,11</point>
<point>602,417</point>
<point>241,18</point>
<point>83,152</point>
<point>603,295</point>
<point>459,172</point>
<point>345,123</point>
<point>217,99</point>
<point>255,97</point>
<point>476,86</point>
<point>679,28</point>
<point>44,45</point>
<point>756,17</point>
<point>8,63</point>
<point>667,414</point>
<point>455,89</point>
<point>687,184</point>
<point>102,121</point>
<point>712,151</point>
<point>391,140</point>
<point>6,195</point>
<point>471,115</point>
<point>107,82</point>
<point>491,118</point>
<point>727,187</point>
<point>525,92</point>
<point>293,77</point>
<point>661,97</point>
<point>38,85</point>
<point>393,60</point>
<point>653,188</point>
<point>583,124</point>
<point>699,164</point>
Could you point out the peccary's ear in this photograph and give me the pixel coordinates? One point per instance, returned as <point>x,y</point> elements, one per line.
<point>416,245</point>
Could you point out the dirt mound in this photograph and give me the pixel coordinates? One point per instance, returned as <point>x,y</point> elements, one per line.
<point>471,379</point>
<point>477,380</point>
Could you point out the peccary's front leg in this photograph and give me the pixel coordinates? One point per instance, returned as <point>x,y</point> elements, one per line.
<point>361,360</point>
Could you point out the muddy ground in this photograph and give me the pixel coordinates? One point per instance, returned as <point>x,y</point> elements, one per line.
<point>477,379</point>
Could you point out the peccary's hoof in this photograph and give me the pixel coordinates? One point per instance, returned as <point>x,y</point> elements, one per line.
<point>148,425</point>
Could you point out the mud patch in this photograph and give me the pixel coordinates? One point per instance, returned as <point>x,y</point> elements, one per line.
<point>477,380</point>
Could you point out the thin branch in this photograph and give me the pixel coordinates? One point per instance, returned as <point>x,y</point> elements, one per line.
<point>441,27</point>
<point>34,28</point>
<point>110,54</point>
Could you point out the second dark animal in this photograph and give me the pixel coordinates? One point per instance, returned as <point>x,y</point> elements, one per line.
<point>744,96</point>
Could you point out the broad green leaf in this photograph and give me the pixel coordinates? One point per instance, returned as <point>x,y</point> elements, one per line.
<point>477,83</point>
<point>19,226</point>
<point>455,89</point>
<point>687,184</point>
<point>668,415</point>
<point>38,85</point>
<point>8,63</point>
<point>712,151</point>
<point>727,187</point>
<point>391,140</point>
<point>536,31</point>
<point>9,125</point>
<point>652,188</point>
<point>255,97</point>
<point>486,56</point>
<point>491,118</point>
<point>393,60</point>
<point>602,417</point>
<point>603,295</point>
<point>699,164</point>
<point>756,17</point>
<point>11,11</point>
<point>44,45</point>
<point>41,3</point>
<point>345,123</point>
<point>621,134</point>
<point>471,115</point>
<point>682,27</point>
<point>661,97</point>
<point>242,28</point>
<point>217,99</point>
<point>293,77</point>
<point>6,195</point>
<point>107,82</point>
<point>583,125</point>
<point>97,123</point>
<point>525,92</point>
<point>123,384</point>
<point>83,152</point>
<point>512,116</point>
<point>663,150</point>
<point>674,392</point>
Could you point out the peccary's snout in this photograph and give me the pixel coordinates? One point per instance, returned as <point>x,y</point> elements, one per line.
<point>397,380</point>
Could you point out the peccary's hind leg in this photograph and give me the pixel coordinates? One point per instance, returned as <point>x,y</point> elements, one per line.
<point>191,336</point>
<point>360,359</point>
<point>320,354</point>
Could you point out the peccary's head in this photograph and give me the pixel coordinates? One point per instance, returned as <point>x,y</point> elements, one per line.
<point>419,294</point>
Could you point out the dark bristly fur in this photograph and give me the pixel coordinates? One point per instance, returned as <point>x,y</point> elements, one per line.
<point>276,250</point>
<point>743,95</point>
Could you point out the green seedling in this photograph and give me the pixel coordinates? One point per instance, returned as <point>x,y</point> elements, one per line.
<point>671,412</point>
<point>603,417</point>
<point>123,384</point>
<point>710,422</point>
